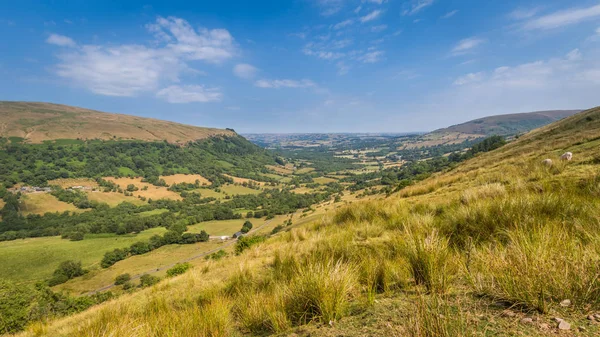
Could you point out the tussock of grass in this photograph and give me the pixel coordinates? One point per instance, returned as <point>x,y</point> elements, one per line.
<point>433,317</point>
<point>540,267</point>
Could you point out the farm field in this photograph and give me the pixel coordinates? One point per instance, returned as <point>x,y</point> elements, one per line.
<point>185,178</point>
<point>244,180</point>
<point>280,169</point>
<point>113,198</point>
<point>324,180</point>
<point>70,182</point>
<point>40,203</point>
<point>33,259</point>
<point>153,192</point>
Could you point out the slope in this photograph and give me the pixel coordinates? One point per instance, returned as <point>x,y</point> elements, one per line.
<point>504,125</point>
<point>38,122</point>
<point>502,245</point>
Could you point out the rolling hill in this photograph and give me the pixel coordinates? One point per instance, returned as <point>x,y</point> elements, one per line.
<point>501,245</point>
<point>38,122</point>
<point>507,125</point>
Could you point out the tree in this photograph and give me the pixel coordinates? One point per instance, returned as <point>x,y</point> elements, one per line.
<point>14,306</point>
<point>66,271</point>
<point>148,280</point>
<point>122,279</point>
<point>248,224</point>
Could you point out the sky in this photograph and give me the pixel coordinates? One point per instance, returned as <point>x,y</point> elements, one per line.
<point>284,66</point>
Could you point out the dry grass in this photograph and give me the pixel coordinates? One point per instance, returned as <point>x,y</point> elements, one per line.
<point>152,192</point>
<point>113,198</point>
<point>40,203</point>
<point>70,182</point>
<point>185,178</point>
<point>24,119</point>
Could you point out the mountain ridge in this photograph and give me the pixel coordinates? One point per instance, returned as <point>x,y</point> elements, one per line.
<point>36,122</point>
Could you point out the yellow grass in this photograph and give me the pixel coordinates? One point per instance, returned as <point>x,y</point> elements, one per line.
<point>244,180</point>
<point>70,182</point>
<point>324,180</point>
<point>153,192</point>
<point>113,198</point>
<point>40,203</point>
<point>185,178</point>
<point>305,170</point>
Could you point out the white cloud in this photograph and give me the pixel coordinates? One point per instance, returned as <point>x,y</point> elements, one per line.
<point>276,84</point>
<point>371,16</point>
<point>357,9</point>
<point>130,69</point>
<point>379,2</point>
<point>60,40</point>
<point>245,71</point>
<point>379,28</point>
<point>330,7</point>
<point>523,13</point>
<point>470,78</point>
<point>416,6</point>
<point>450,14</point>
<point>598,31</point>
<point>466,45</point>
<point>189,94</point>
<point>343,24</point>
<point>574,55</point>
<point>215,45</point>
<point>563,18</point>
<point>372,56</point>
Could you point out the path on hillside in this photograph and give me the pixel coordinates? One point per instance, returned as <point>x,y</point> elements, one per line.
<point>137,276</point>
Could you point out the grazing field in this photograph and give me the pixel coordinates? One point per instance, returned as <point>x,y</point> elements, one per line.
<point>244,180</point>
<point>238,189</point>
<point>152,192</point>
<point>208,193</point>
<point>154,212</point>
<point>113,198</point>
<point>155,262</point>
<point>324,180</point>
<point>305,170</point>
<point>185,178</point>
<point>70,182</point>
<point>222,227</point>
<point>34,259</point>
<point>280,169</point>
<point>40,203</point>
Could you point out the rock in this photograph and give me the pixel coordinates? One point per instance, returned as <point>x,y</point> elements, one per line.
<point>597,316</point>
<point>591,317</point>
<point>527,320</point>
<point>508,313</point>
<point>331,323</point>
<point>564,325</point>
<point>558,319</point>
<point>565,303</point>
<point>544,326</point>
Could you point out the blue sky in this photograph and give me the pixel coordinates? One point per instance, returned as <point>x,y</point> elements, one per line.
<point>304,65</point>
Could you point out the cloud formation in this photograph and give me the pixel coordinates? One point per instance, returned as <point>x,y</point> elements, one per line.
<point>416,6</point>
<point>60,40</point>
<point>563,18</point>
<point>285,83</point>
<point>245,71</point>
<point>371,16</point>
<point>466,45</point>
<point>131,69</point>
<point>189,94</point>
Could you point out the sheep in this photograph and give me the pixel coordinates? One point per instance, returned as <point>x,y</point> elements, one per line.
<point>547,162</point>
<point>568,156</point>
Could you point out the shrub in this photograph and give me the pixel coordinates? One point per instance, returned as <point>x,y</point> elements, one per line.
<point>122,279</point>
<point>246,242</point>
<point>14,306</point>
<point>66,271</point>
<point>216,256</point>
<point>148,280</point>
<point>178,269</point>
<point>113,257</point>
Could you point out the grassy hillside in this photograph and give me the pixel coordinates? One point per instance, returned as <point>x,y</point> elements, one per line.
<point>37,122</point>
<point>506,124</point>
<point>502,245</point>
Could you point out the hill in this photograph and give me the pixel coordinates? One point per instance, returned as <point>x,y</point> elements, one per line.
<point>38,122</point>
<point>506,125</point>
<point>501,245</point>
